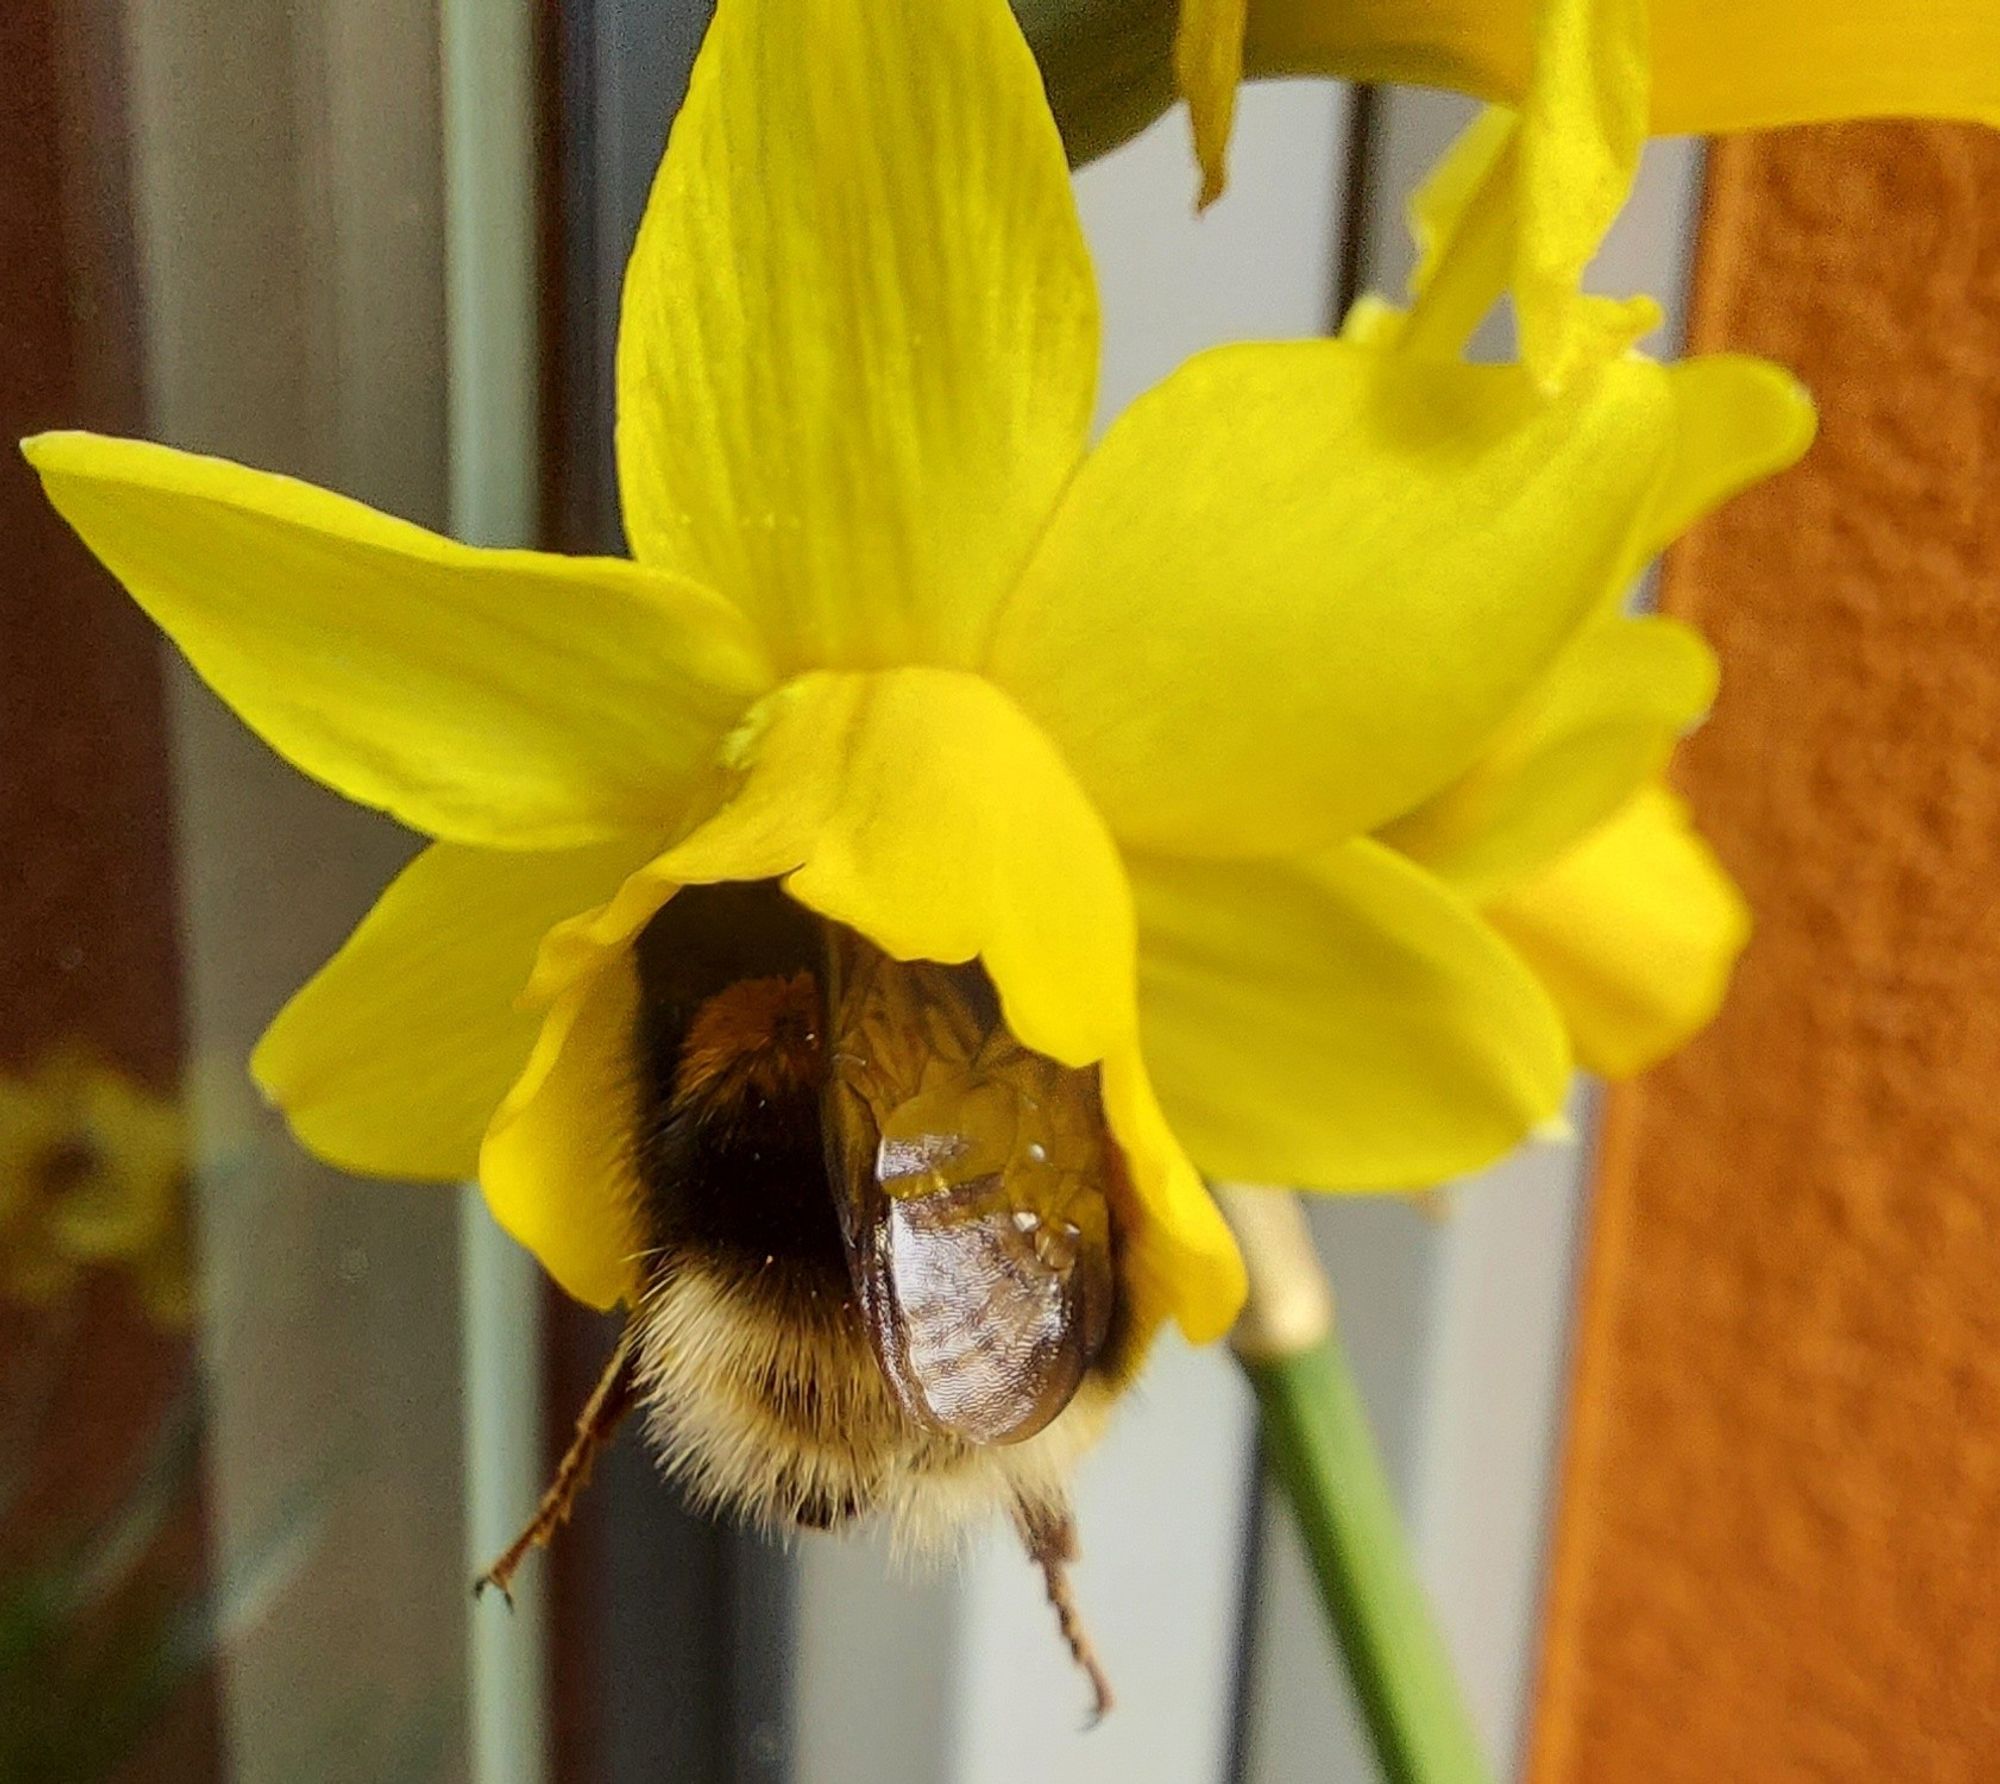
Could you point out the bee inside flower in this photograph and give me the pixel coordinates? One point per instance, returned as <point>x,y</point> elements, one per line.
<point>852,929</point>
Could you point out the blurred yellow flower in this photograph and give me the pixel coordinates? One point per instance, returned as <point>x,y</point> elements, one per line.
<point>1116,722</point>
<point>1586,82</point>
<point>93,1174</point>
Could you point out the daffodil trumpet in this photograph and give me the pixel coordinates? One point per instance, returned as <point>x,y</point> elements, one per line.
<point>944,840</point>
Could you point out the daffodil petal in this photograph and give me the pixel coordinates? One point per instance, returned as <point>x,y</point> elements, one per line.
<point>556,1167</point>
<point>1583,123</point>
<point>1182,1262</point>
<point>1715,67</point>
<point>1600,726</point>
<point>1738,420</point>
<point>857,352</point>
<point>1463,220</point>
<point>1510,205</point>
<point>1635,933</point>
<point>923,809</point>
<point>1800,61</point>
<point>1208,65</point>
<point>1439,210</point>
<point>1348,1024</point>
<point>1481,47</point>
<point>394,1056</point>
<point>502,698</point>
<point>1297,587</point>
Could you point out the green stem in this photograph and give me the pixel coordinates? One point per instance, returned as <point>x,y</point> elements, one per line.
<point>1322,1451</point>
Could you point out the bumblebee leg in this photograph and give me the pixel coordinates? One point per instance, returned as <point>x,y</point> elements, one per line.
<point>1050,1537</point>
<point>606,1408</point>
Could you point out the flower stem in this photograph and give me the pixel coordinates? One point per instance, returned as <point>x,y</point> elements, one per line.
<point>1322,1453</point>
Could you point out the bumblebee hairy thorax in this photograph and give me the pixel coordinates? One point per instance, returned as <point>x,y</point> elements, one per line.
<point>881,1242</point>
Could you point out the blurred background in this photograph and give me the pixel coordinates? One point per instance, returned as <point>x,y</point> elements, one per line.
<point>259,1424</point>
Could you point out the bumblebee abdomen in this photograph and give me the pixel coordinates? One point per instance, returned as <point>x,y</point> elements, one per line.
<point>763,1380</point>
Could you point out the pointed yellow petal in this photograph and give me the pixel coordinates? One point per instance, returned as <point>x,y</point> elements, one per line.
<point>1208,65</point>
<point>503,698</point>
<point>1600,726</point>
<point>1738,421</point>
<point>1347,1025</point>
<point>858,345</point>
<point>1297,587</point>
<point>556,1166</point>
<point>1715,66</point>
<point>921,808</point>
<point>393,1058</point>
<point>1634,932</point>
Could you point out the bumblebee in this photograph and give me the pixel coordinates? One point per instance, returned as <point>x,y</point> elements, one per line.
<point>882,1245</point>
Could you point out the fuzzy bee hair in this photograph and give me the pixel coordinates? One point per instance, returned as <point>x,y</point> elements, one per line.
<point>762,1398</point>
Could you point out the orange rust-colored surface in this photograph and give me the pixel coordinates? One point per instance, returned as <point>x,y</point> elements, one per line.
<point>1778,1554</point>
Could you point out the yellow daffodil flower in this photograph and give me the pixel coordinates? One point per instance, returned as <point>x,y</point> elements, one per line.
<point>1564,839</point>
<point>93,1174</point>
<point>1561,833</point>
<point>1117,722</point>
<point>1585,82</point>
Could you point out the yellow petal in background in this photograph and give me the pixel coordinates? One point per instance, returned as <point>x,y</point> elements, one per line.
<point>1480,47</point>
<point>1600,726</point>
<point>127,1205</point>
<point>858,346</point>
<point>556,1166</point>
<point>1635,932</point>
<point>394,1056</point>
<point>1739,67</point>
<point>1345,1025</point>
<point>1715,66</point>
<point>1298,586</point>
<point>93,1173</point>
<point>500,698</point>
